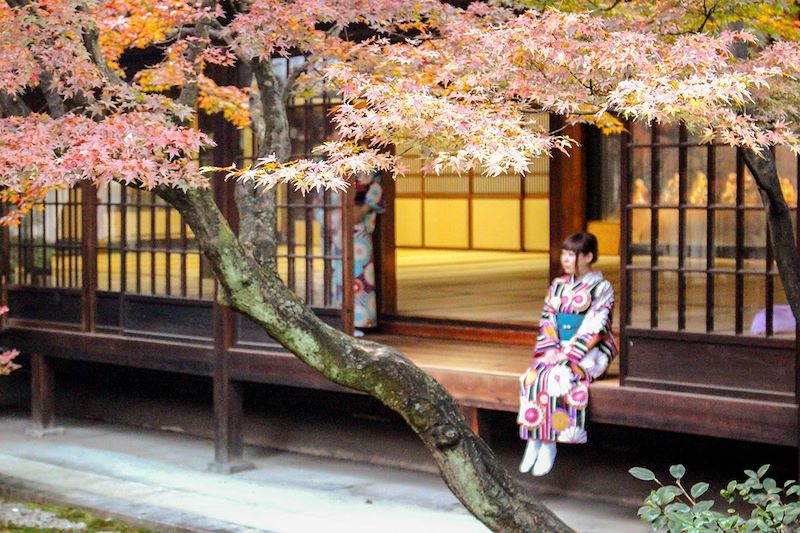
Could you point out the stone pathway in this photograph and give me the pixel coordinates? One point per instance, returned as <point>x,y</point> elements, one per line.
<point>157,479</point>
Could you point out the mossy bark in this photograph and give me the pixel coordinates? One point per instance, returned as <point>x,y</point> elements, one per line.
<point>256,207</point>
<point>467,465</point>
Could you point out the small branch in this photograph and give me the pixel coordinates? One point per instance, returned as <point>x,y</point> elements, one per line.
<point>291,79</point>
<point>90,41</point>
<point>221,34</point>
<point>688,496</point>
<point>189,92</point>
<point>708,12</point>
<point>610,7</point>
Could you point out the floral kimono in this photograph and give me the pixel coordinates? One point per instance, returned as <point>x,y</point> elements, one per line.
<point>365,308</point>
<point>553,398</point>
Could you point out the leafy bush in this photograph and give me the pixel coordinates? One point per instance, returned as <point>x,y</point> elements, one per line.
<point>672,508</point>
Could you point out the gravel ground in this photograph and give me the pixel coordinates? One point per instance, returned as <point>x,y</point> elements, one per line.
<point>17,514</point>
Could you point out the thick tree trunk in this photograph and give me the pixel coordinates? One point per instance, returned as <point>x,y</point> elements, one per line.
<point>762,167</point>
<point>257,215</point>
<point>466,463</point>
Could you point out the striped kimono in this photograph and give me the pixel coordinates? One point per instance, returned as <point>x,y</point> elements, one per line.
<point>553,398</point>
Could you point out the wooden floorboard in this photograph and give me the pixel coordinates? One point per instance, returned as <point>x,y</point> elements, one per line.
<point>485,375</point>
<point>482,375</point>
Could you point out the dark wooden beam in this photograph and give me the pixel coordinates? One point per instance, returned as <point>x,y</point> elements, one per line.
<point>89,256</point>
<point>183,357</point>
<point>348,208</point>
<point>42,398</point>
<point>385,252</point>
<point>712,413</point>
<point>227,393</point>
<point>625,296</point>
<point>567,191</point>
<point>478,420</point>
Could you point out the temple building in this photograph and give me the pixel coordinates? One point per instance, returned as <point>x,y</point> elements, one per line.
<point>114,276</point>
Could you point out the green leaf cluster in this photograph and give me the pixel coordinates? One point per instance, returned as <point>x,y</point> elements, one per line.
<point>673,508</point>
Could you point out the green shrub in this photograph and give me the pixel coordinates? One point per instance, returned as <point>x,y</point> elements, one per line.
<point>672,508</point>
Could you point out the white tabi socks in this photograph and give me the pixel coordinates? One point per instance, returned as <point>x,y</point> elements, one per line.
<point>545,459</point>
<point>529,457</point>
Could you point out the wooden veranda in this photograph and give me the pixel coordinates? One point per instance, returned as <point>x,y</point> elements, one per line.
<point>115,277</point>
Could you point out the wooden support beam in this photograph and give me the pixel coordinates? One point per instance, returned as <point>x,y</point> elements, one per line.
<point>89,257</point>
<point>567,191</point>
<point>478,420</point>
<point>385,253</point>
<point>42,398</point>
<point>228,405</point>
<point>228,441</point>
<point>228,401</point>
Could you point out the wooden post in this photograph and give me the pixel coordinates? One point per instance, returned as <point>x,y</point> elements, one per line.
<point>227,393</point>
<point>478,421</point>
<point>385,253</point>
<point>42,398</point>
<point>624,250</point>
<point>796,343</point>
<point>348,208</point>
<point>228,409</point>
<point>89,256</point>
<point>567,191</point>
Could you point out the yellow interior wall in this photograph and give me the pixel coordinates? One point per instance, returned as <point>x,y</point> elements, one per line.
<point>537,224</point>
<point>408,222</point>
<point>300,233</point>
<point>446,223</point>
<point>495,223</point>
<point>145,225</point>
<point>607,233</point>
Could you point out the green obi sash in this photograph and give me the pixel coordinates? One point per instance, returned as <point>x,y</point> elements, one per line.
<point>568,324</point>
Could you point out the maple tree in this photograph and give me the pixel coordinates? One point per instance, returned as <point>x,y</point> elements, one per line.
<point>460,84</point>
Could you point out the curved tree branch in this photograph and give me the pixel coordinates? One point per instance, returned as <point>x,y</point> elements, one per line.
<point>90,41</point>
<point>762,167</point>
<point>257,217</point>
<point>466,463</point>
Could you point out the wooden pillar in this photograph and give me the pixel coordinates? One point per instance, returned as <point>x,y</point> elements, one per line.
<point>797,343</point>
<point>89,256</point>
<point>348,213</point>
<point>797,380</point>
<point>625,297</point>
<point>42,398</point>
<point>385,254</point>
<point>228,409</point>
<point>227,393</point>
<point>478,421</point>
<point>567,191</point>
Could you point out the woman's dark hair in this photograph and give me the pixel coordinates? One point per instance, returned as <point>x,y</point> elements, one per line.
<point>581,243</point>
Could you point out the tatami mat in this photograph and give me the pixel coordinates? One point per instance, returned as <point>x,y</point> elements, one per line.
<point>477,285</point>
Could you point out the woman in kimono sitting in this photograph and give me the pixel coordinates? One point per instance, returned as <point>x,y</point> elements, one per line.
<point>574,347</point>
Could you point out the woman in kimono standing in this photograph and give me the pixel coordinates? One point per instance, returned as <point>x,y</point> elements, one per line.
<point>369,204</point>
<point>574,347</point>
